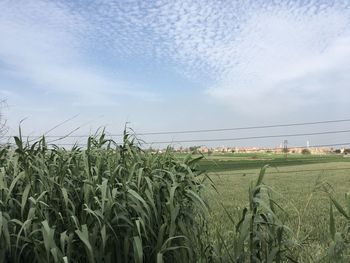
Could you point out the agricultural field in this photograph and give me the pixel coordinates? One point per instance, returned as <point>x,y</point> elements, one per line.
<point>298,184</point>
<point>219,162</point>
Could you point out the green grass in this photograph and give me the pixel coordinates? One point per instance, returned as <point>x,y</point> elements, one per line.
<point>232,161</point>
<point>306,205</point>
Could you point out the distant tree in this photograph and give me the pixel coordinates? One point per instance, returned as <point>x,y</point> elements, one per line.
<point>194,149</point>
<point>347,151</point>
<point>305,151</point>
<point>337,151</point>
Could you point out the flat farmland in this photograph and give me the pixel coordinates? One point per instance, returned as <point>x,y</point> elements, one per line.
<point>297,183</point>
<point>242,161</point>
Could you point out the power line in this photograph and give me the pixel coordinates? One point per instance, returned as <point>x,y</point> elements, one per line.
<point>250,137</point>
<point>242,138</point>
<point>246,128</point>
<point>201,130</point>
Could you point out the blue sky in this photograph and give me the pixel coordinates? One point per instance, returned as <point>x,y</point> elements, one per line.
<point>174,65</point>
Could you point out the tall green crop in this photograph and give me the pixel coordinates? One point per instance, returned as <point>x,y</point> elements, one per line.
<point>105,203</point>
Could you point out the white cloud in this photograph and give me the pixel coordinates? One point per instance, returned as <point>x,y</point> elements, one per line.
<point>41,43</point>
<point>289,61</point>
<point>265,54</point>
<point>262,57</point>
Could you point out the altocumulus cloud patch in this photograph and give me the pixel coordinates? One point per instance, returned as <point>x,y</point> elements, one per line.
<point>253,52</point>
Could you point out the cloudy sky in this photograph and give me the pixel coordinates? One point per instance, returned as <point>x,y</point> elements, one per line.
<point>175,65</point>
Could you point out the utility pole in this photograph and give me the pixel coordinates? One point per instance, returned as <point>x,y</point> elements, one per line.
<point>285,148</point>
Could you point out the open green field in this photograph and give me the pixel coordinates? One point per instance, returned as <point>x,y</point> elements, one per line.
<point>296,182</point>
<point>241,161</point>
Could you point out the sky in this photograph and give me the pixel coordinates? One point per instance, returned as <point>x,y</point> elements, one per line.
<point>176,65</point>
